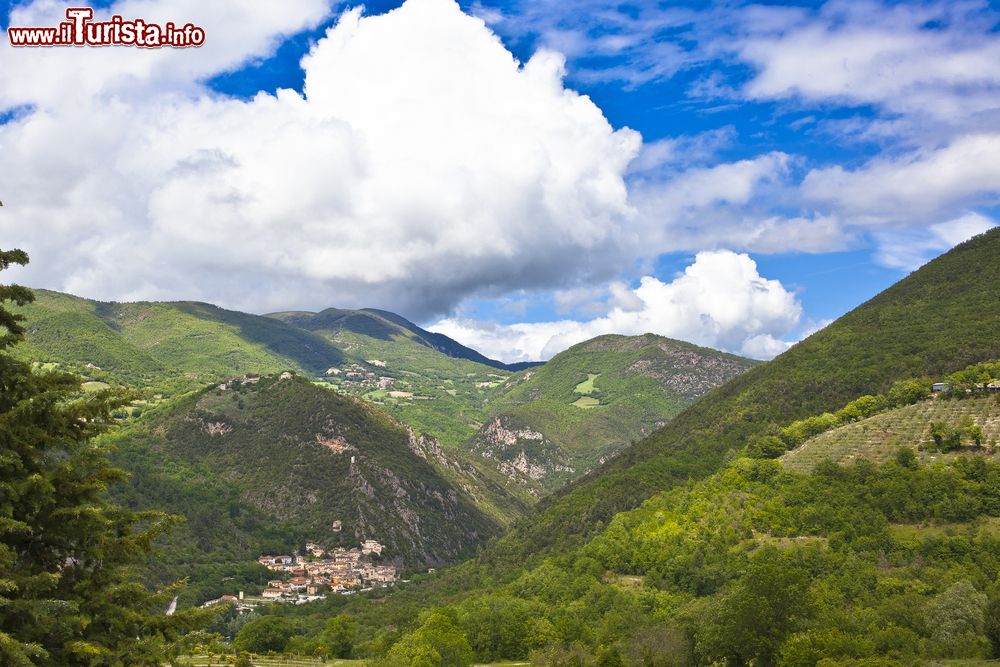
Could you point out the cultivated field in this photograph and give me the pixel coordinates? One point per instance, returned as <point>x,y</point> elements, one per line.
<point>267,661</point>
<point>880,436</point>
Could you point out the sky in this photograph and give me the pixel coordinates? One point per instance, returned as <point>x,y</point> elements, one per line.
<point>520,176</point>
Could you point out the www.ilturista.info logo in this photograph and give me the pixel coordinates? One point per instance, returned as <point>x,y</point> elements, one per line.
<point>82,30</point>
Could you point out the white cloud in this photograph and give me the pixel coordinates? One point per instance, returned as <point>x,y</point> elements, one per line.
<point>719,301</point>
<point>908,250</point>
<point>914,187</point>
<point>731,205</point>
<point>423,164</point>
<point>673,153</point>
<point>871,53</point>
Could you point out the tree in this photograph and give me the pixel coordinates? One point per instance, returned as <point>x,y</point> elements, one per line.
<point>412,651</point>
<point>267,633</point>
<point>340,633</point>
<point>659,646</point>
<point>907,458</point>
<point>437,641</point>
<point>68,591</point>
<point>751,620</point>
<point>957,614</point>
<point>946,437</point>
<point>766,447</point>
<point>498,627</point>
<point>970,430</point>
<point>991,626</point>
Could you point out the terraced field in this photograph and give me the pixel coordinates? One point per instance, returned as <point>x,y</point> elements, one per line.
<point>911,534</point>
<point>266,661</point>
<point>880,436</point>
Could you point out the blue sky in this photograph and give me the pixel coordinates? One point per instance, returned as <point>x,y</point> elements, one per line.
<point>828,284</point>
<point>789,160</point>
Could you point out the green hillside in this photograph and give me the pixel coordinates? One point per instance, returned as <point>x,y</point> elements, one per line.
<point>433,384</point>
<point>305,457</point>
<point>935,321</point>
<point>165,345</point>
<point>171,347</point>
<point>431,391</point>
<point>552,424</point>
<point>888,565</point>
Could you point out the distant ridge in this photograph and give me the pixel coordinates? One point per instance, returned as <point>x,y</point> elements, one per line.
<point>556,422</point>
<point>144,342</point>
<point>383,325</point>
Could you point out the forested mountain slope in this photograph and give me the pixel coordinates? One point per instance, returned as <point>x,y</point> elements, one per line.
<point>937,320</point>
<point>307,458</point>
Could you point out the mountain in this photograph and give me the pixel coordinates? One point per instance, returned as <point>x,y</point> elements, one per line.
<point>552,424</point>
<point>396,367</point>
<point>937,320</point>
<point>325,467</point>
<point>174,347</point>
<point>385,326</point>
<point>165,345</point>
<point>428,381</point>
<point>683,550</point>
<point>529,432</point>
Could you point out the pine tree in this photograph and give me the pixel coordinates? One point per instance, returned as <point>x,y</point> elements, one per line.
<point>70,592</point>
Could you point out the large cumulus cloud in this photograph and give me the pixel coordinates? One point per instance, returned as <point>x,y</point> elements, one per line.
<point>423,163</point>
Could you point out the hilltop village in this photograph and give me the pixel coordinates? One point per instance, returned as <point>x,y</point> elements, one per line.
<point>307,578</point>
<point>358,376</point>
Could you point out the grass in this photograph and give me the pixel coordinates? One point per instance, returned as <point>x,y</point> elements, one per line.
<point>880,436</point>
<point>453,403</point>
<point>587,386</point>
<point>44,367</point>
<point>586,402</point>
<point>91,387</point>
<point>625,580</point>
<point>764,539</point>
<point>167,346</point>
<point>912,533</point>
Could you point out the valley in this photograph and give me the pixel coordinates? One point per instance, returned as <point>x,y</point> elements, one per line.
<point>633,496</point>
<point>525,427</point>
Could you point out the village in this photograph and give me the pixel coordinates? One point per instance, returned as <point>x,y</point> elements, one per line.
<point>312,576</point>
<point>357,376</point>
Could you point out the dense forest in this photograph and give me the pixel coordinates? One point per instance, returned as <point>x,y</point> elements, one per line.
<point>755,564</point>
